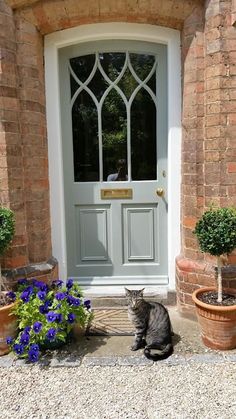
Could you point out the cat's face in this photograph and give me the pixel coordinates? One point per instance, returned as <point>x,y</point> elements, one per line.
<point>134,297</point>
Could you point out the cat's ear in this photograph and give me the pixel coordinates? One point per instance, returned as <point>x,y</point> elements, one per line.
<point>127,292</point>
<point>141,291</point>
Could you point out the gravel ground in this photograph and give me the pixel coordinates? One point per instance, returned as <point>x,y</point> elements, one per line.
<point>185,391</point>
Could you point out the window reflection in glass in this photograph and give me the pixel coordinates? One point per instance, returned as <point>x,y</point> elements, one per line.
<point>112,63</point>
<point>114,132</point>
<point>142,64</point>
<point>127,83</point>
<point>143,137</point>
<point>85,139</point>
<point>98,85</point>
<point>82,67</point>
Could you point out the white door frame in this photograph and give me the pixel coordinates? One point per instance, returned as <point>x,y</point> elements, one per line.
<point>107,31</point>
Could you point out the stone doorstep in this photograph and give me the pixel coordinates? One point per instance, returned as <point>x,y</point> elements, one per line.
<point>119,302</point>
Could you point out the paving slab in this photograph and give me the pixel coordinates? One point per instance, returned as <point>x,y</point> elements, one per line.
<point>107,350</point>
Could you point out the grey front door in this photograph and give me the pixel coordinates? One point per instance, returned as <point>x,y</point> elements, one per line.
<point>113,107</point>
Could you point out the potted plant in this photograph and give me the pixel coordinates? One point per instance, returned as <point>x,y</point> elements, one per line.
<point>216,310</point>
<point>7,320</point>
<point>47,316</point>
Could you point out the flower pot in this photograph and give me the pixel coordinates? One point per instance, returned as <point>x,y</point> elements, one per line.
<point>217,323</point>
<point>78,331</point>
<point>8,327</point>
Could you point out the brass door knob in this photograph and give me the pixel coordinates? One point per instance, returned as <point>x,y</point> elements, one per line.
<point>160,192</point>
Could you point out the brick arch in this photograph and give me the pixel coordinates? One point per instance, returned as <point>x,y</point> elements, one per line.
<point>50,16</point>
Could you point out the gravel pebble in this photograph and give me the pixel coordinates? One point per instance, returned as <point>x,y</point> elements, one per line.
<point>186,391</point>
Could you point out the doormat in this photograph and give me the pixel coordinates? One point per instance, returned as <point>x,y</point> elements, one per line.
<point>113,322</point>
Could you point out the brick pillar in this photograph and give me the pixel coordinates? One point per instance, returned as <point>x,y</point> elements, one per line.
<point>192,192</point>
<point>23,162</point>
<point>212,176</point>
<point>11,160</point>
<point>34,138</point>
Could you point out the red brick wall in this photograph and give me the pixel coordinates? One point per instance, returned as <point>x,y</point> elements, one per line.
<point>11,157</point>
<point>24,185</point>
<point>31,93</point>
<point>208,115</point>
<point>208,175</point>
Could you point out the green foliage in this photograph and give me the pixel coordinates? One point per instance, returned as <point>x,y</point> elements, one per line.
<point>7,228</point>
<point>216,231</point>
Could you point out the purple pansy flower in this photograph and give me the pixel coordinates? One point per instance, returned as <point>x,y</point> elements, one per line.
<point>70,299</point>
<point>11,295</point>
<point>60,296</point>
<point>57,283</point>
<point>18,348</point>
<point>34,347</point>
<point>25,296</point>
<point>27,329</point>
<point>9,340</point>
<point>71,318</point>
<point>69,284</point>
<point>87,304</point>
<point>76,302</point>
<point>40,285</point>
<point>44,287</point>
<point>25,338</point>
<point>22,281</point>
<point>44,308</point>
<point>59,318</point>
<point>51,334</point>
<point>33,355</point>
<point>51,316</point>
<point>37,283</point>
<point>37,327</point>
<point>29,289</point>
<point>42,295</point>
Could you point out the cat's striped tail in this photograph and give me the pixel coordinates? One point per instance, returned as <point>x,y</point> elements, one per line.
<point>163,352</point>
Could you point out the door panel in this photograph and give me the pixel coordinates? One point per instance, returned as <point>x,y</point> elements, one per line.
<point>113,107</point>
<point>138,237</point>
<point>92,234</point>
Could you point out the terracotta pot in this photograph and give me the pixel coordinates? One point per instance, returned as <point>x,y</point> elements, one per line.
<point>78,331</point>
<point>8,327</point>
<point>217,323</point>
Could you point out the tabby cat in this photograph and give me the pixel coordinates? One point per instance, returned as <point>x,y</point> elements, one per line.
<point>152,326</point>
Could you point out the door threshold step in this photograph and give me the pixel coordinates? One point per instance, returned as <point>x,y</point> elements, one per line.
<point>121,302</point>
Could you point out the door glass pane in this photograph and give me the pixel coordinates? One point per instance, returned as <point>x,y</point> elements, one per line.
<point>98,85</point>
<point>112,63</point>
<point>143,137</point>
<point>152,83</point>
<point>82,66</point>
<point>128,83</point>
<point>142,64</point>
<point>85,139</point>
<point>114,134</point>
<point>108,91</point>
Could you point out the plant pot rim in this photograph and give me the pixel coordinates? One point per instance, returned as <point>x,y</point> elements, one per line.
<point>210,306</point>
<point>8,306</point>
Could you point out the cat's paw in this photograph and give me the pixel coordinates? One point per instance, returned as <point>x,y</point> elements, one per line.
<point>134,347</point>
